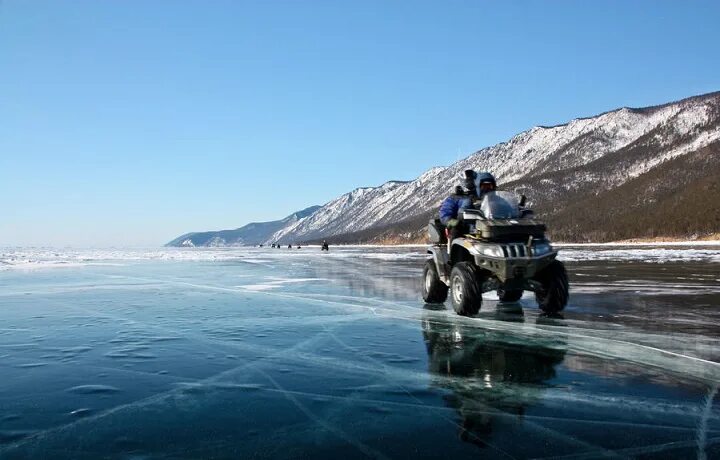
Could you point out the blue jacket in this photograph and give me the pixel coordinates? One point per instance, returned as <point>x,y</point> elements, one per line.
<point>452,205</point>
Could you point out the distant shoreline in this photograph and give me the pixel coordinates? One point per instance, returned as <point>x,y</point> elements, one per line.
<point>638,242</point>
<point>665,242</point>
<point>632,242</point>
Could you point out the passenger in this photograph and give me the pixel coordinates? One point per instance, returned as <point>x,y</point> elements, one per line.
<point>470,181</point>
<point>451,207</point>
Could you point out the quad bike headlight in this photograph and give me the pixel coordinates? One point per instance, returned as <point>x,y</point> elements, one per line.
<point>541,248</point>
<point>491,251</point>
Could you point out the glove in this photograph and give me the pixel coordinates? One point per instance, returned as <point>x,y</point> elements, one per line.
<point>452,222</point>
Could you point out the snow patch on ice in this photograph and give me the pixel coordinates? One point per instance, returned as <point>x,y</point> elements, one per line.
<point>391,256</point>
<point>276,283</point>
<point>33,258</point>
<point>650,255</point>
<point>641,244</point>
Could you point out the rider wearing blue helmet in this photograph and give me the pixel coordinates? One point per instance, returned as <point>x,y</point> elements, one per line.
<point>485,183</point>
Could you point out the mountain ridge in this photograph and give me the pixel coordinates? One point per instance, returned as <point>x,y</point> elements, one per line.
<point>251,234</point>
<point>580,161</point>
<point>618,136</point>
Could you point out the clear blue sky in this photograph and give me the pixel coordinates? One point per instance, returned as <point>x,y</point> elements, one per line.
<point>130,122</point>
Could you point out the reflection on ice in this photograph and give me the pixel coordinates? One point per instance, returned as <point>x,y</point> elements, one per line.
<point>485,374</point>
<point>497,384</point>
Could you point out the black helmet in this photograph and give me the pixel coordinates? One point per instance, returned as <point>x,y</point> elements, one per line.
<point>469,180</point>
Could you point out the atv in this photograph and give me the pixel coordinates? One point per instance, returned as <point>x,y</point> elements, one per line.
<point>503,248</point>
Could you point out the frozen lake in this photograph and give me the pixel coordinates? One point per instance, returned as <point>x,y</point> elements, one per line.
<point>279,353</point>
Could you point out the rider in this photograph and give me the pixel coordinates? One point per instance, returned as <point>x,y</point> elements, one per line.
<point>486,183</point>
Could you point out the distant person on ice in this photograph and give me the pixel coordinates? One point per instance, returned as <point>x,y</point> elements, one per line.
<point>325,246</point>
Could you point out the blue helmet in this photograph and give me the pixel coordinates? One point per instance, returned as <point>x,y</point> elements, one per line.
<point>485,178</point>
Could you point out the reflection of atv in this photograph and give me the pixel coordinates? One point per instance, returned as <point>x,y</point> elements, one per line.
<point>458,349</point>
<point>492,376</point>
<point>504,249</point>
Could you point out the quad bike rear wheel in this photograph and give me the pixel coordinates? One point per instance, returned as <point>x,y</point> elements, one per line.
<point>433,290</point>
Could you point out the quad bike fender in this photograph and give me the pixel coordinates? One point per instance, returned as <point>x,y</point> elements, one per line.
<point>441,259</point>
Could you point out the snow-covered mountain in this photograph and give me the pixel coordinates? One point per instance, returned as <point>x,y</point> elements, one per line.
<point>625,173</point>
<point>251,234</point>
<point>555,166</point>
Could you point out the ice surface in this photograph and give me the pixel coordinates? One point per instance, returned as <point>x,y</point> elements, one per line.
<point>278,353</point>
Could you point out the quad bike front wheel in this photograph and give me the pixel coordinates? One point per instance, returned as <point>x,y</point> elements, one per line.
<point>465,289</point>
<point>554,293</point>
<point>433,290</point>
